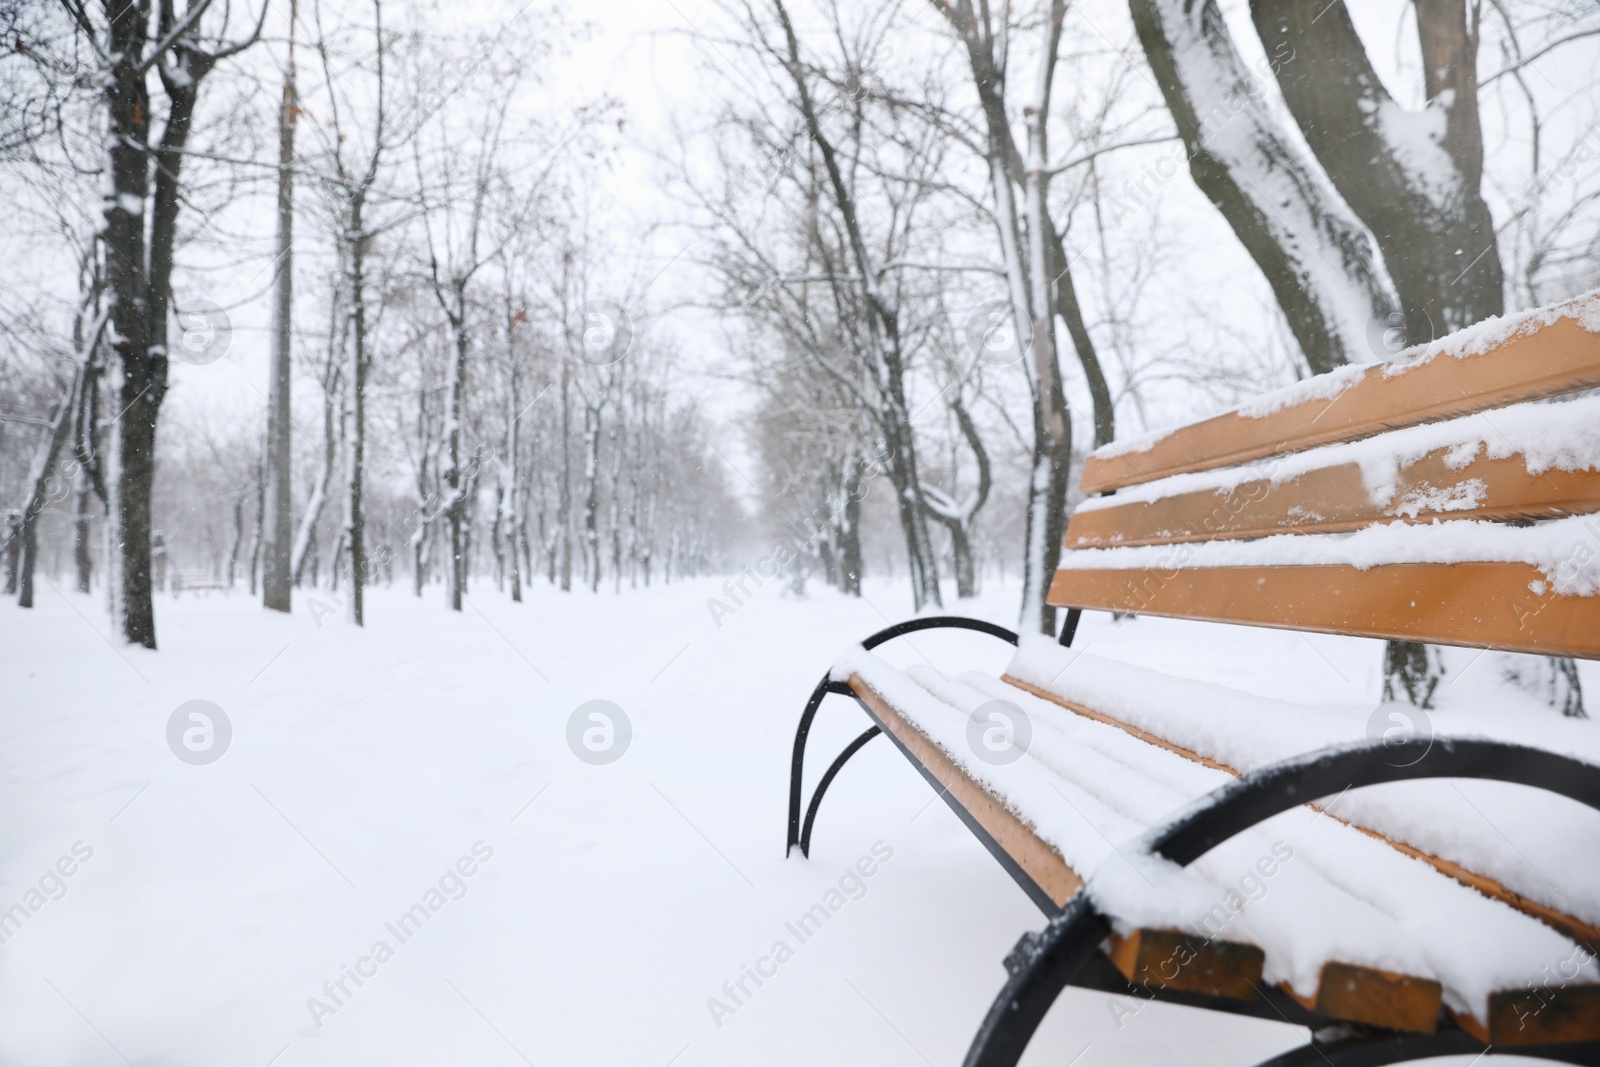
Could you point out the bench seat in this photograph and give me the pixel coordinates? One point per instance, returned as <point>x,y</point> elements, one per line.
<point>1456,821</point>
<point>1349,925</point>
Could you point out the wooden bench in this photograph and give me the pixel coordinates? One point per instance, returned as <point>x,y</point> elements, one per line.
<point>1202,845</point>
<point>194,582</point>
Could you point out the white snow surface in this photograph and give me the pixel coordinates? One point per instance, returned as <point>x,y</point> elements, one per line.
<point>1566,551</point>
<point>1563,435</point>
<point>618,900</point>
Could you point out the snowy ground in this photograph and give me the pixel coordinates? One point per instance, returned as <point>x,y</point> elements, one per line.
<point>607,905</point>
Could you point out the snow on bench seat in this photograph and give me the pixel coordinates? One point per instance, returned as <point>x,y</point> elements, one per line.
<point>1308,890</point>
<point>1244,732</point>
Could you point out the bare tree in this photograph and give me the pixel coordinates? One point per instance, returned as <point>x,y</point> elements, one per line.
<point>1029,242</point>
<point>141,215</point>
<point>352,182</point>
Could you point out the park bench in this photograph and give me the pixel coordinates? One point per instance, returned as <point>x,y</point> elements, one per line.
<point>194,582</point>
<point>1197,844</point>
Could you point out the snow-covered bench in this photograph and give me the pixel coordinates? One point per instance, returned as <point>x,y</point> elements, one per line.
<point>194,582</point>
<point>1211,847</point>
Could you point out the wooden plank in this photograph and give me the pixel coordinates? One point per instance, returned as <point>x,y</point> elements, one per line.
<point>1172,959</point>
<point>1585,934</point>
<point>1335,499</point>
<point>1038,860</point>
<point>1478,605</point>
<point>1377,998</point>
<point>1547,1015</point>
<point>1559,358</point>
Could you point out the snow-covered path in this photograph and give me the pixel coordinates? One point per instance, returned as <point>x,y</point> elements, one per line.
<point>571,913</point>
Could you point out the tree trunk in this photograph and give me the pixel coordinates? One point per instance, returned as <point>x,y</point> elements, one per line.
<point>563,531</point>
<point>44,470</point>
<point>1313,254</point>
<point>1414,179</point>
<point>592,415</point>
<point>355,521</point>
<point>1028,240</point>
<point>91,480</point>
<point>513,507</point>
<point>12,549</point>
<point>139,274</point>
<point>238,535</point>
<point>278,572</point>
<point>131,298</point>
<point>82,557</point>
<point>1066,300</point>
<point>257,535</point>
<point>614,513</point>
<point>497,536</point>
<point>454,477</point>
<point>958,518</point>
<point>849,529</point>
<point>332,440</point>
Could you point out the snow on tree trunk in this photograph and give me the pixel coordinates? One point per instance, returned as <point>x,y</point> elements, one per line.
<point>1413,177</point>
<point>1028,241</point>
<point>1312,251</point>
<point>309,518</point>
<point>958,517</point>
<point>355,519</point>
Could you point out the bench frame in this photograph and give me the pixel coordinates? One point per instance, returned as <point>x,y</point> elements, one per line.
<point>1066,952</point>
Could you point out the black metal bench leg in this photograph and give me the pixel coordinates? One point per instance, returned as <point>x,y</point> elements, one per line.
<point>827,779</point>
<point>797,765</point>
<point>801,834</point>
<point>1041,966</point>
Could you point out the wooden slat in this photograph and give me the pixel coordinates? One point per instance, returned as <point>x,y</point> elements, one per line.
<point>1099,716</point>
<point>1038,861</point>
<point>1335,499</point>
<point>1377,998</point>
<point>1172,959</point>
<point>1585,934</point>
<point>1549,1015</point>
<point>1559,358</point>
<point>1479,605</point>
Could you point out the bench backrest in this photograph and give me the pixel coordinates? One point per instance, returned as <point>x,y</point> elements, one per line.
<point>1443,434</point>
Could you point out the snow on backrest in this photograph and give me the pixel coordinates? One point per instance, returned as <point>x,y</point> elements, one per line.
<point>1541,353</point>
